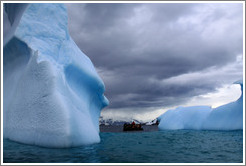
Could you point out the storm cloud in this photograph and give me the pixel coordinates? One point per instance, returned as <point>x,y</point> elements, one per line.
<point>159,55</point>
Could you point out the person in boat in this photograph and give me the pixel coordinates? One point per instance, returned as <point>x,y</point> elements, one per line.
<point>133,124</point>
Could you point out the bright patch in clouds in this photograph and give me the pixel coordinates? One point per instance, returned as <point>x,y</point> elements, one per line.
<point>223,95</point>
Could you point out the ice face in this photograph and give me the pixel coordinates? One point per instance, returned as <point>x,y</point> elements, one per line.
<point>225,117</point>
<point>228,116</point>
<point>184,118</point>
<point>52,93</point>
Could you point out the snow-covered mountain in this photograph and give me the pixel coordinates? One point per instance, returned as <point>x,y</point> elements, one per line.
<point>52,94</point>
<point>153,122</point>
<point>112,122</point>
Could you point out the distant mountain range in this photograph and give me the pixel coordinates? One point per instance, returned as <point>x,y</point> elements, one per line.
<point>121,123</point>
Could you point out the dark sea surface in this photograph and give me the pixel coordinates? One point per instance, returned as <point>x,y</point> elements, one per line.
<point>180,146</point>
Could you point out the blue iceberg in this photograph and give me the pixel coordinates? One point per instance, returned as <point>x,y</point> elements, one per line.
<point>225,117</point>
<point>52,94</point>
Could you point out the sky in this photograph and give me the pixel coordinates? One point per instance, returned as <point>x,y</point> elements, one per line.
<point>153,57</point>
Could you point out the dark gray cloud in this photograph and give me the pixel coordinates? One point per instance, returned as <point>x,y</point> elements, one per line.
<point>155,55</point>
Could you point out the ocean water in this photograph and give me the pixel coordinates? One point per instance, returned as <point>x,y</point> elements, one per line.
<point>181,146</point>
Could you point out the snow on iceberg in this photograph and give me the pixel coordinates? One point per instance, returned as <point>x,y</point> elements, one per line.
<point>52,94</point>
<point>225,117</point>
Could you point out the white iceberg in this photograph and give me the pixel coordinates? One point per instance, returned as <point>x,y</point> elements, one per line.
<point>225,117</point>
<point>52,94</point>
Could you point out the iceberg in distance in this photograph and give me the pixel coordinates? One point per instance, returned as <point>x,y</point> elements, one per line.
<point>52,94</point>
<point>225,117</point>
